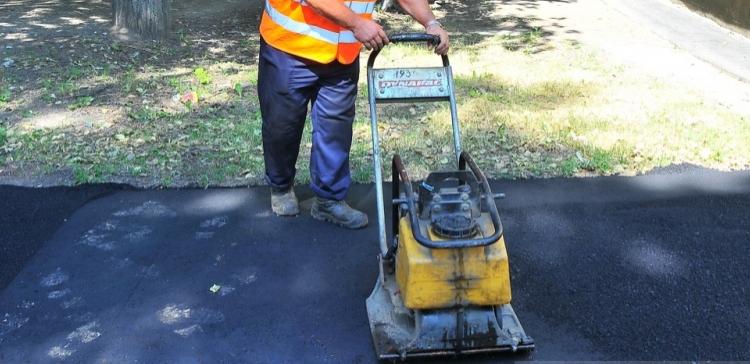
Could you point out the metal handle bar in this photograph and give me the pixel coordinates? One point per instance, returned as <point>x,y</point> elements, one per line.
<point>398,170</point>
<point>385,251</point>
<point>414,37</point>
<point>409,38</point>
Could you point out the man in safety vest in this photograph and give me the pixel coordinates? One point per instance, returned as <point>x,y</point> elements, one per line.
<point>309,54</point>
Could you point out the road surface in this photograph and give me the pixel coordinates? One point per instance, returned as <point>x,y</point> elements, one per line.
<point>643,268</point>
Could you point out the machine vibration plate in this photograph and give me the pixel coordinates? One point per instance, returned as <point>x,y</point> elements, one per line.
<point>401,333</point>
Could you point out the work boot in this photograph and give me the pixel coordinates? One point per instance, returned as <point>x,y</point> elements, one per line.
<point>284,202</point>
<point>339,213</point>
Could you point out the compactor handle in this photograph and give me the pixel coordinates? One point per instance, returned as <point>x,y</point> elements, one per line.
<point>409,38</point>
<point>414,37</point>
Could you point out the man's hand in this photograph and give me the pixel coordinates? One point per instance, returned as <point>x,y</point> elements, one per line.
<point>420,11</point>
<point>444,45</point>
<point>370,33</point>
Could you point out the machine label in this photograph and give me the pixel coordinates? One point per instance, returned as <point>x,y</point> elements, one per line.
<point>410,83</point>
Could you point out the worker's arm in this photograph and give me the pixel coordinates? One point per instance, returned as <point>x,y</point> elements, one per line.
<point>421,12</point>
<point>368,32</point>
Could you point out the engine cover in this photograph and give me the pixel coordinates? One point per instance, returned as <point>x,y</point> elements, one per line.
<point>445,278</point>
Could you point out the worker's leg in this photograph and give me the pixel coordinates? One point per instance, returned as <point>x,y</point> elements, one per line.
<point>332,118</point>
<point>285,87</point>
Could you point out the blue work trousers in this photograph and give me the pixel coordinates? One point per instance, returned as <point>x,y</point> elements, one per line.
<point>286,85</point>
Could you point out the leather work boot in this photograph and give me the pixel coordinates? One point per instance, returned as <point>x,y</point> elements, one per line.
<point>284,202</point>
<point>339,213</point>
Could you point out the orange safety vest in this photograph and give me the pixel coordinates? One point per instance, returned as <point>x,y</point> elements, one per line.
<point>294,27</point>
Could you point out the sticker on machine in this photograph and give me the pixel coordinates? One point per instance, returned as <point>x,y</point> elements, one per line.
<point>410,83</point>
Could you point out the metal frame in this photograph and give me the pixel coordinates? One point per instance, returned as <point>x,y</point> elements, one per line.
<point>400,172</point>
<point>398,332</point>
<point>406,38</point>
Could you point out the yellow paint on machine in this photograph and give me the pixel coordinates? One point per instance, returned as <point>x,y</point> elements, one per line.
<point>444,278</point>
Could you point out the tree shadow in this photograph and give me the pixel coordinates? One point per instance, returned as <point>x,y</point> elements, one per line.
<point>471,22</point>
<point>733,12</point>
<point>63,54</point>
<point>56,52</point>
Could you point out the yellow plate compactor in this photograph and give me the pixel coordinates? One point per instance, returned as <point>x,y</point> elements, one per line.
<point>444,283</point>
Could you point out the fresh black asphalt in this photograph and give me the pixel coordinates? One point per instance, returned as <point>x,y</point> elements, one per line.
<point>643,268</point>
<point>30,216</point>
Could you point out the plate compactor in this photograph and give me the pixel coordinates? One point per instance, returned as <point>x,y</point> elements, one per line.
<point>444,282</point>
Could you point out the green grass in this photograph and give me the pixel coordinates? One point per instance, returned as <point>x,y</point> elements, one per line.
<point>197,147</point>
<point>66,87</point>
<point>54,89</point>
<point>81,102</point>
<point>75,72</point>
<point>178,85</point>
<point>248,43</point>
<point>537,118</point>
<point>552,113</point>
<point>570,166</point>
<point>3,140</point>
<point>47,91</point>
<point>203,76</point>
<point>116,46</point>
<point>149,114</point>
<point>5,95</point>
<point>526,41</point>
<point>92,173</point>
<point>3,136</point>
<point>129,82</point>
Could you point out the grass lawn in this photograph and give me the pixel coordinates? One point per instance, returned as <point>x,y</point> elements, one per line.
<point>529,107</point>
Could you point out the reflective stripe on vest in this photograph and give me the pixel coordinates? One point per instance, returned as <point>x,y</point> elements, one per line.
<point>358,7</point>
<point>294,27</point>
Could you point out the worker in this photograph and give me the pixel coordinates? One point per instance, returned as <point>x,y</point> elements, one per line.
<point>309,54</point>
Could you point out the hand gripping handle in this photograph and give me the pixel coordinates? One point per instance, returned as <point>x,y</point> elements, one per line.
<point>409,38</point>
<point>414,38</point>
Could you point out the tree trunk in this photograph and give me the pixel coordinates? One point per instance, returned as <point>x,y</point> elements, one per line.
<point>146,19</point>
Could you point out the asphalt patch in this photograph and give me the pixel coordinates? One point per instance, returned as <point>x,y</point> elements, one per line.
<point>30,216</point>
<point>646,268</point>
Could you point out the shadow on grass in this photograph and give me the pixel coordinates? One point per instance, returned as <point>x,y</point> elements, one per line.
<point>67,73</point>
<point>218,142</point>
<point>62,54</point>
<point>471,22</point>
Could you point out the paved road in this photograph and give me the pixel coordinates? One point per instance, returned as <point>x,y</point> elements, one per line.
<point>644,268</point>
<point>691,32</point>
<point>30,217</point>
